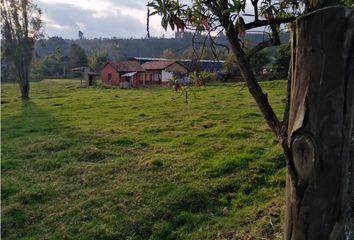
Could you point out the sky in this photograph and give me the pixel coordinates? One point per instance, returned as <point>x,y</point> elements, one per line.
<point>98,18</point>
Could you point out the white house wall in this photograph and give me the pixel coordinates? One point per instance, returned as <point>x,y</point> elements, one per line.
<point>166,76</point>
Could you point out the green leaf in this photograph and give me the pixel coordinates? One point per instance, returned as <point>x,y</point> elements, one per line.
<point>172,24</point>
<point>154,13</point>
<point>313,3</point>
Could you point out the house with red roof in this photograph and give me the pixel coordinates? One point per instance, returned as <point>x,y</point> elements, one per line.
<point>161,72</point>
<point>130,73</point>
<point>123,73</point>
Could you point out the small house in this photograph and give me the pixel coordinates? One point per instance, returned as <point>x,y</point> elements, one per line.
<point>191,65</point>
<point>161,72</point>
<point>89,75</point>
<point>125,74</point>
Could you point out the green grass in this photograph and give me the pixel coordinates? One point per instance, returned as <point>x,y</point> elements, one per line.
<point>104,163</point>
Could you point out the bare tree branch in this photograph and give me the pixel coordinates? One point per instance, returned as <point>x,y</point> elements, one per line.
<point>259,47</point>
<point>273,41</point>
<point>252,84</point>
<point>255,6</point>
<point>268,22</point>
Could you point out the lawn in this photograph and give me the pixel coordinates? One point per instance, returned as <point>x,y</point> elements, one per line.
<point>106,163</point>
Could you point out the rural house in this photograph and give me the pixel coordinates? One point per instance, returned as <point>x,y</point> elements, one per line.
<point>161,72</point>
<point>88,74</point>
<point>191,65</point>
<point>123,73</point>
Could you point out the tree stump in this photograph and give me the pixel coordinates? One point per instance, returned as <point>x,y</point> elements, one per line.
<point>320,126</point>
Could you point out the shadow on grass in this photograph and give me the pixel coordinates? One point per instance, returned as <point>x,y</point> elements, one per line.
<point>46,161</point>
<point>31,121</point>
<point>35,131</point>
<point>36,150</point>
<point>43,157</point>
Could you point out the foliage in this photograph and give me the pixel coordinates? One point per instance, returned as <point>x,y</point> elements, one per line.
<point>282,60</point>
<point>199,78</point>
<point>225,15</point>
<point>230,65</point>
<point>119,49</point>
<point>348,3</point>
<point>259,61</point>
<point>46,47</point>
<point>203,52</point>
<point>21,27</point>
<point>168,54</point>
<point>77,56</point>
<point>80,34</point>
<point>218,16</point>
<point>78,163</point>
<point>48,66</point>
<point>54,65</point>
<point>201,15</point>
<point>96,59</point>
<point>7,70</point>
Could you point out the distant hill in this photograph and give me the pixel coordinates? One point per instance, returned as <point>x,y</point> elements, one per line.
<point>118,48</point>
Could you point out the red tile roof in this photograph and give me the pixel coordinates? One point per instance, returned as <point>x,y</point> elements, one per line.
<point>128,66</point>
<point>157,65</point>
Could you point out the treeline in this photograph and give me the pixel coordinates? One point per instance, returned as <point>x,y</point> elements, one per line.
<point>118,48</point>
<point>55,57</point>
<point>267,64</point>
<point>58,63</point>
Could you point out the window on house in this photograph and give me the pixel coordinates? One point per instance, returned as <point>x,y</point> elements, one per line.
<point>109,77</point>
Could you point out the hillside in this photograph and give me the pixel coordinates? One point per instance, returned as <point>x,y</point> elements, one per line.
<point>106,163</point>
<point>127,48</point>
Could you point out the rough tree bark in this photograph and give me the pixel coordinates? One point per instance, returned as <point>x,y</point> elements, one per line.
<point>22,61</point>
<point>320,126</point>
<point>24,88</point>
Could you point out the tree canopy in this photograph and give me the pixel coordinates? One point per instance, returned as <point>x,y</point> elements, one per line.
<point>77,56</point>
<point>22,26</point>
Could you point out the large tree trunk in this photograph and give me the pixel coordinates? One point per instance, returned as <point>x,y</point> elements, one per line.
<point>320,126</point>
<point>22,65</point>
<point>23,75</point>
<point>24,87</point>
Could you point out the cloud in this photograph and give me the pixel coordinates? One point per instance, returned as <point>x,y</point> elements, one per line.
<point>101,18</point>
<point>110,19</point>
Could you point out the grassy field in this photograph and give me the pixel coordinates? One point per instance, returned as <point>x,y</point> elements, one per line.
<point>102,163</point>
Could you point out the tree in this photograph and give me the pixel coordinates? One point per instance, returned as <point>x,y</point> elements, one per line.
<point>47,46</point>
<point>168,54</point>
<point>57,55</point>
<point>316,129</point>
<point>7,72</point>
<point>48,66</point>
<point>96,59</point>
<point>259,61</point>
<point>230,65</point>
<point>77,56</point>
<point>282,60</point>
<point>188,53</point>
<point>21,28</point>
<point>81,34</point>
